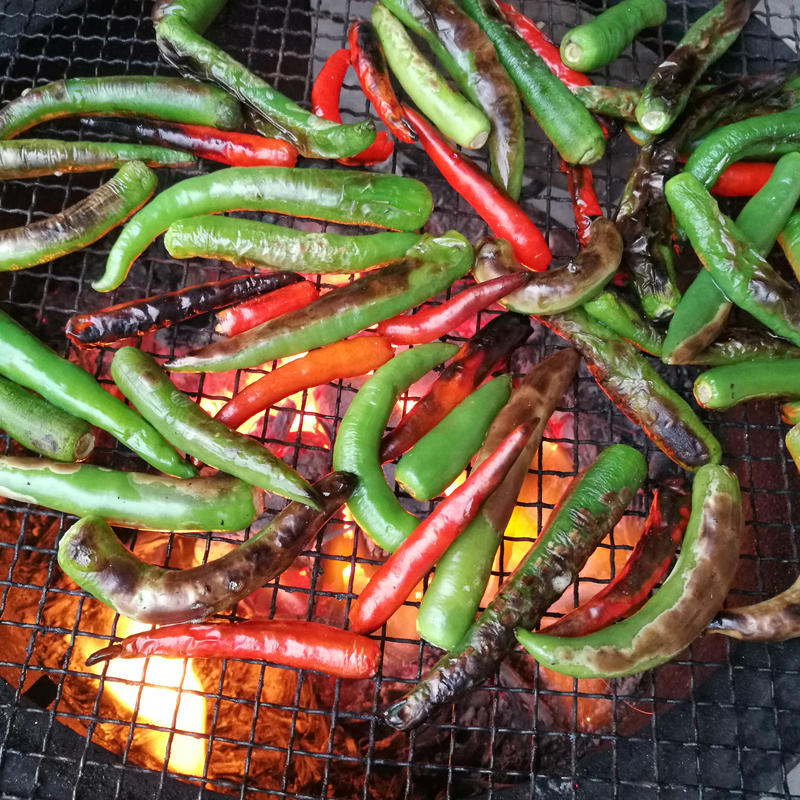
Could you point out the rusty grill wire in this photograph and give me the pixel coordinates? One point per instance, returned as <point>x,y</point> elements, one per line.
<point>720,721</point>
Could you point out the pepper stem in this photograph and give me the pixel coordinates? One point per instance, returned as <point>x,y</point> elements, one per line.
<point>104,654</point>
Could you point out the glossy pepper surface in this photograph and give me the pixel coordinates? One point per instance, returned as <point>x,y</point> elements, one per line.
<point>131,499</point>
<point>556,289</point>
<point>407,566</point>
<point>473,362</point>
<point>723,387</point>
<point>450,111</point>
<point>228,147</point>
<point>428,269</point>
<point>742,179</point>
<point>440,456</point>
<point>81,224</point>
<point>199,14</point>
<point>742,274</point>
<point>789,240</point>
<point>41,426</point>
<point>92,556</point>
<point>610,101</point>
<point>580,185</point>
<point>645,567</point>
<point>352,198</point>
<point>593,503</point>
<point>562,117</point>
<point>373,504</point>
<point>292,643</point>
<point>451,602</point>
<point>247,243</point>
<point>345,359</point>
<point>667,91</point>
<point>740,344</point>
<point>244,316</point>
<point>30,158</point>
<point>470,58</point>
<point>142,316</point>
<point>495,206</point>
<point>620,316</point>
<point>638,390</point>
<point>182,422</point>
<point>603,39</point>
<point>682,607</point>
<point>126,95</point>
<point>30,363</point>
<point>311,135</point>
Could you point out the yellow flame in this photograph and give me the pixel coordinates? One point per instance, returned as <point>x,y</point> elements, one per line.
<point>158,700</point>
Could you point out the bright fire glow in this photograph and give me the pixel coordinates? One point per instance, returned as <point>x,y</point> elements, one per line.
<point>158,700</point>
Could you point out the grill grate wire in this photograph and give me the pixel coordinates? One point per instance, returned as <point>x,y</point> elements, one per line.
<point>726,722</point>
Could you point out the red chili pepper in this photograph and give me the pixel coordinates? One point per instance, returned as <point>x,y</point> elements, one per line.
<point>369,62</point>
<point>344,359</point>
<point>292,643</point>
<point>484,194</point>
<point>410,563</point>
<point>240,318</point>
<point>325,103</point>
<point>470,365</point>
<point>543,47</point>
<point>647,565</point>
<point>431,323</point>
<point>584,200</point>
<point>743,179</point>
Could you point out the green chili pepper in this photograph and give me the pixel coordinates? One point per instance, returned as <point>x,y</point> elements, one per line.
<point>173,99</point>
<point>737,269</point>
<point>440,456</point>
<point>790,413</point>
<point>81,224</point>
<point>31,158</point>
<point>704,309</point>
<point>789,240</point>
<point>198,14</point>
<point>373,504</point>
<point>92,556</point>
<point>793,444</point>
<point>593,503</point>
<point>428,268</point>
<point>469,56</point>
<point>611,101</point>
<point>313,136</point>
<point>28,362</point>
<point>247,243</point>
<point>623,319</point>
<point>638,391</point>
<point>740,345</point>
<point>723,387</point>
<point>557,289</point>
<point>131,499</point>
<point>666,93</point>
<point>602,40</point>
<point>41,427</point>
<point>455,116</point>
<point>449,605</point>
<point>680,610</point>
<point>563,118</point>
<point>187,426</point>
<point>352,198</point>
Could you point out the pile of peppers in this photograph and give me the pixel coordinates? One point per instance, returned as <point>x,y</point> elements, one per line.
<point>616,304</point>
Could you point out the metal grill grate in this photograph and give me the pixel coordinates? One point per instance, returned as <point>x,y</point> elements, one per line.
<point>720,721</point>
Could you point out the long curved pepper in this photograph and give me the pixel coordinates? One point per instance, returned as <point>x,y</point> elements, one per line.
<point>680,610</point>
<point>473,362</point>
<point>231,148</point>
<point>258,310</point>
<point>81,224</point>
<point>92,556</point>
<point>723,387</point>
<point>410,563</point>
<point>580,185</point>
<point>183,423</point>
<point>488,198</point>
<point>325,104</point>
<point>368,60</point>
<point>173,99</point>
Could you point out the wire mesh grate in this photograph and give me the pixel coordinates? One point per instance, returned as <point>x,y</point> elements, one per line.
<point>720,721</point>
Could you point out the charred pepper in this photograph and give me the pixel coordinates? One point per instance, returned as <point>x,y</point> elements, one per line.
<point>429,268</point>
<point>680,609</point>
<point>591,506</point>
<point>352,198</point>
<point>613,311</point>
<point>739,345</point>
<point>92,556</point>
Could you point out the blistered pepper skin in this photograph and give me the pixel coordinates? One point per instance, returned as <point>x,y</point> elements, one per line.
<point>682,607</point>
